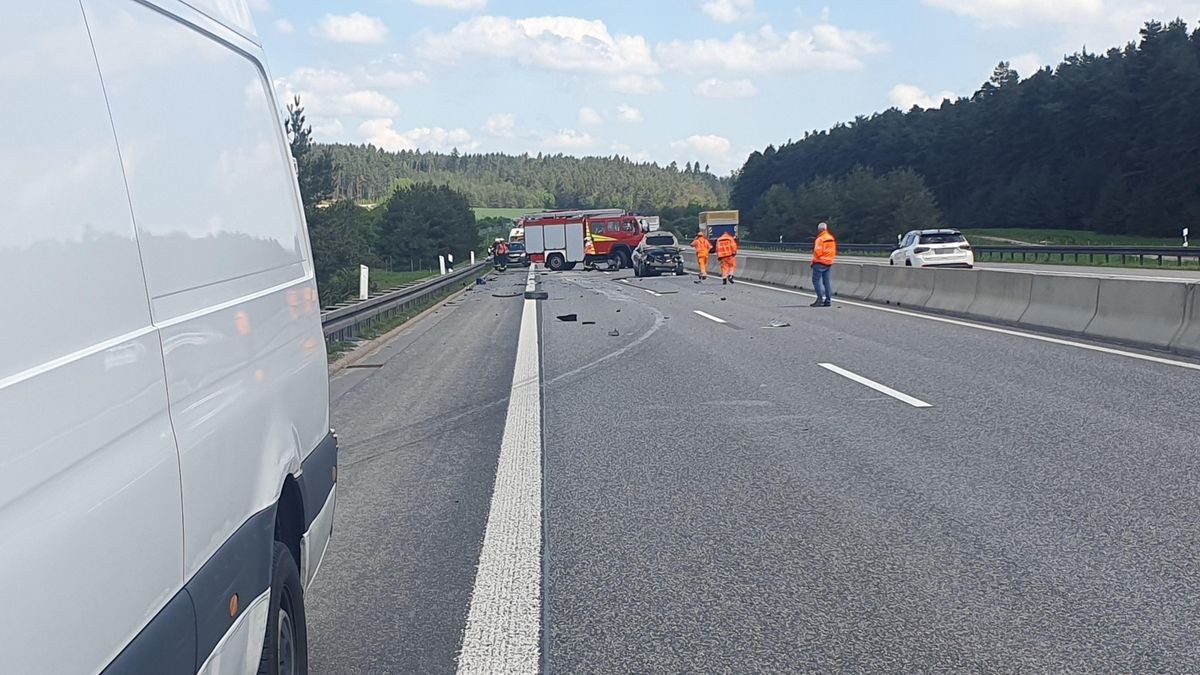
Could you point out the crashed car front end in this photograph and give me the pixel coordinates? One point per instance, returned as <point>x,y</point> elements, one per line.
<point>662,259</point>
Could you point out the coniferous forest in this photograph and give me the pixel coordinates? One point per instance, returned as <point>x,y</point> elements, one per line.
<point>1107,142</point>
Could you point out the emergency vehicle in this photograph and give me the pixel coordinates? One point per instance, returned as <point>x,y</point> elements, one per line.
<point>557,239</point>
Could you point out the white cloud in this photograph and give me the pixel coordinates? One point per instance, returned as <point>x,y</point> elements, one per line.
<point>461,5</point>
<point>628,113</point>
<point>1027,64</point>
<point>714,88</point>
<point>558,43</point>
<point>568,141</point>
<point>382,133</point>
<point>352,28</point>
<point>1018,12</point>
<point>1098,24</point>
<point>329,131</point>
<point>905,96</point>
<point>707,147</point>
<point>366,104</point>
<point>327,93</point>
<point>823,47</point>
<point>635,84</point>
<point>284,26</point>
<point>501,125</point>
<point>727,11</point>
<point>628,152</point>
<point>589,117</point>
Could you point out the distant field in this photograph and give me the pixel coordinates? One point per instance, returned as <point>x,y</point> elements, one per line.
<point>481,213</point>
<point>998,237</point>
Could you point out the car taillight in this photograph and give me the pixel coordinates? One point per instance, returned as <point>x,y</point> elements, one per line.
<point>965,247</point>
<point>921,249</point>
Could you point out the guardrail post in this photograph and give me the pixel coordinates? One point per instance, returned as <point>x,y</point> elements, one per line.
<point>472,257</point>
<point>442,264</point>
<point>364,283</point>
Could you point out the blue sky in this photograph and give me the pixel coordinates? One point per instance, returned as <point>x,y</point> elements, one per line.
<point>660,80</point>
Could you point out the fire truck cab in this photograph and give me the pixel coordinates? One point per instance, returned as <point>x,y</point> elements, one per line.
<point>557,239</point>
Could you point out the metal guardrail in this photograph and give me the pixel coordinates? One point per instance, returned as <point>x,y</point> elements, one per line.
<point>345,323</point>
<point>1075,254</point>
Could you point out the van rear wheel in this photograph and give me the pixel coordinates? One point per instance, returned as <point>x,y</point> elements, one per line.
<point>285,649</point>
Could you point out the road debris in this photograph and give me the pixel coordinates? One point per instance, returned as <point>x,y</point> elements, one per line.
<point>776,323</point>
<point>614,333</point>
<point>568,317</point>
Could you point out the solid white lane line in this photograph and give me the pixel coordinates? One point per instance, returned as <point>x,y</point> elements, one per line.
<point>883,389</point>
<point>503,632</point>
<point>710,317</point>
<point>995,329</point>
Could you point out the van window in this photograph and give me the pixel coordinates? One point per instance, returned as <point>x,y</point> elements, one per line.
<point>209,179</point>
<point>71,277</point>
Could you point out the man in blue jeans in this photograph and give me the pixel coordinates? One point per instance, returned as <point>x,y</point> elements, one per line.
<point>824,255</point>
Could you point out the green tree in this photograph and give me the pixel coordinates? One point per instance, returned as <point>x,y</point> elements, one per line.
<point>315,168</point>
<point>424,221</point>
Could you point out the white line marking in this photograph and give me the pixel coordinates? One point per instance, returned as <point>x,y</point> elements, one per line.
<point>710,317</point>
<point>503,632</point>
<point>996,329</point>
<point>654,293</point>
<point>899,396</point>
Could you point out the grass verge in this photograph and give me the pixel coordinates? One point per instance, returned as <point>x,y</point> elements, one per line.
<point>1001,236</point>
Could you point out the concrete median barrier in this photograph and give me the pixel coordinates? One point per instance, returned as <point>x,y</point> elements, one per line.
<point>870,278</point>
<point>903,286</point>
<point>1062,304</point>
<point>781,272</point>
<point>1149,313</point>
<point>1000,296</point>
<point>751,268</point>
<point>953,291</point>
<point>1187,341</point>
<point>847,278</point>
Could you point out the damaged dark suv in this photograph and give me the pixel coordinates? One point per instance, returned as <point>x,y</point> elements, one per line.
<point>659,252</point>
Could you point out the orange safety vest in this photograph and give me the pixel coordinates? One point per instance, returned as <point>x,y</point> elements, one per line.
<point>726,246</point>
<point>703,246</point>
<point>825,249</point>
<point>589,248</point>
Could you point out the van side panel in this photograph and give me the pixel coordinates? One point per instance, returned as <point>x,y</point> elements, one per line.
<point>226,254</point>
<point>91,538</point>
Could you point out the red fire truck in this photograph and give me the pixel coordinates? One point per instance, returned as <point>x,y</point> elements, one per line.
<point>557,238</point>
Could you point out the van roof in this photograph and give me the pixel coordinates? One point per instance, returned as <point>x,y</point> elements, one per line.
<point>233,14</point>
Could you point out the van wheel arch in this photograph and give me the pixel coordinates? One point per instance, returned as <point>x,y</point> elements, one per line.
<point>289,517</point>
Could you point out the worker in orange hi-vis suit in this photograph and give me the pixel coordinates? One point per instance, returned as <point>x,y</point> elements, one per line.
<point>727,249</point>
<point>703,247</point>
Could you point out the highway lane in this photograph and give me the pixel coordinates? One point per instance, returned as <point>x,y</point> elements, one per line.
<point>419,436</point>
<point>1165,273</point>
<point>717,499</point>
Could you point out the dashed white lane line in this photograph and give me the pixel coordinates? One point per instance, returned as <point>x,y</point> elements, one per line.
<point>708,316</point>
<point>503,632</point>
<point>883,389</point>
<point>995,329</point>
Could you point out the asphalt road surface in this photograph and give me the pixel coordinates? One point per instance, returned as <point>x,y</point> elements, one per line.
<point>865,489</point>
<point>1165,273</point>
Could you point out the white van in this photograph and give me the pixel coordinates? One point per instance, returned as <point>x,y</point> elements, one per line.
<point>167,470</point>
